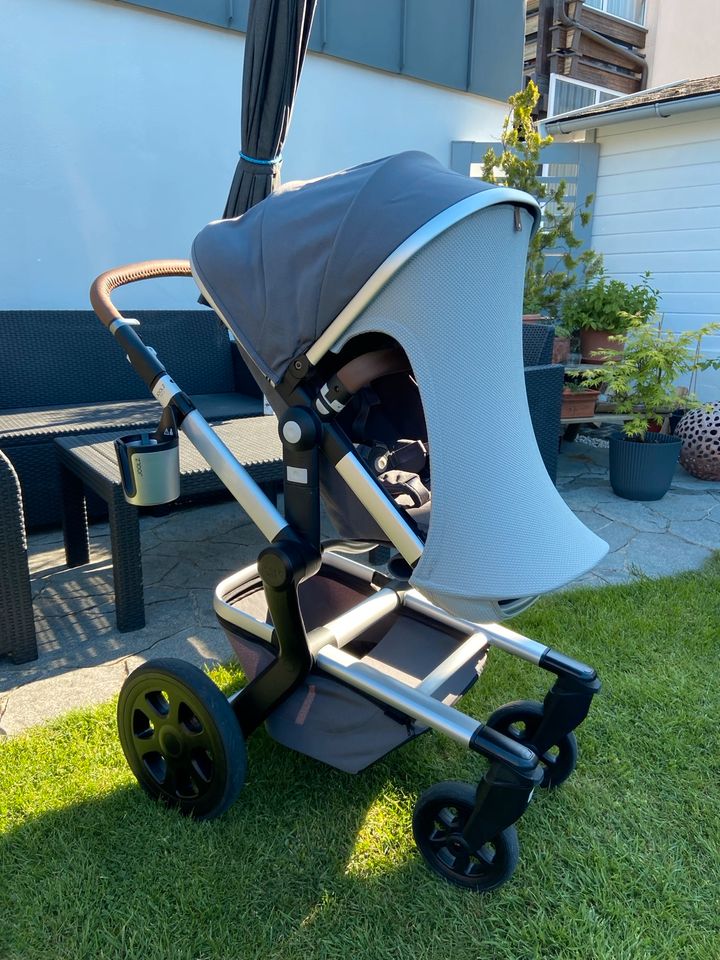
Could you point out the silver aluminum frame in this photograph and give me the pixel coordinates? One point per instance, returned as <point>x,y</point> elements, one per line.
<point>408,700</point>
<point>326,643</point>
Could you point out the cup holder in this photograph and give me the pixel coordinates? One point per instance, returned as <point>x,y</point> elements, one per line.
<point>149,468</point>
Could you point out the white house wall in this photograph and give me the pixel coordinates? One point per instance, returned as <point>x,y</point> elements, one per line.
<point>657,208</point>
<point>121,131</point>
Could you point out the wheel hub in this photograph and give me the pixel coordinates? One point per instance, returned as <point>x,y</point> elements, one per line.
<point>170,743</point>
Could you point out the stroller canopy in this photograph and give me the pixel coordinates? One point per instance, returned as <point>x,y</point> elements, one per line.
<point>406,248</point>
<point>282,272</point>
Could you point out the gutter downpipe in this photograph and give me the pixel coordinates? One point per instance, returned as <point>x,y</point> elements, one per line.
<point>567,21</point>
<point>645,110</point>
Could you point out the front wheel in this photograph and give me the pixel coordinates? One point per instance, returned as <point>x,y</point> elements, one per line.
<point>439,818</point>
<point>520,721</point>
<point>181,738</point>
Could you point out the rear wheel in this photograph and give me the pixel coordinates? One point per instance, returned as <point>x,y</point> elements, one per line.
<point>181,738</point>
<point>440,816</point>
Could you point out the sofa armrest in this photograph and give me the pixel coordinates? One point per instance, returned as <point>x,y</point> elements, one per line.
<point>544,387</point>
<point>17,627</point>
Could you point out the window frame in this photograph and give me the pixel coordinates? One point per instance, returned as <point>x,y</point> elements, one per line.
<point>604,9</point>
<point>554,77</point>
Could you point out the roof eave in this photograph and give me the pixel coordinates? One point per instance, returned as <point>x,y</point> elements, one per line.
<point>661,109</point>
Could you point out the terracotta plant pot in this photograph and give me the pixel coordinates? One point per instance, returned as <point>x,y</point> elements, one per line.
<point>576,405</point>
<point>561,350</point>
<point>591,340</point>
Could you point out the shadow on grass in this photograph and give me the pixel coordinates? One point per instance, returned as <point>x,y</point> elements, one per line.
<point>121,876</point>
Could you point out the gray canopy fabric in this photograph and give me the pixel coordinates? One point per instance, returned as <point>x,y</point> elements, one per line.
<point>277,38</point>
<point>282,273</point>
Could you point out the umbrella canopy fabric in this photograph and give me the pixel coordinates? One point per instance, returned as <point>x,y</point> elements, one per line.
<point>282,273</point>
<point>275,44</point>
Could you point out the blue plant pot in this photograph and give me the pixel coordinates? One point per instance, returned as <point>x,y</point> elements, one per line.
<point>643,471</point>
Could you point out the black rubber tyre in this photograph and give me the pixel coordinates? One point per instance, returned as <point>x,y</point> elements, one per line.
<point>181,738</point>
<point>519,721</point>
<point>440,815</point>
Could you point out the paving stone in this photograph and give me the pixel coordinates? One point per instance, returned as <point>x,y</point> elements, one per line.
<point>683,505</point>
<point>684,481</point>
<point>714,514</point>
<point>587,495</point>
<point>634,513</point>
<point>201,523</point>
<point>617,536</point>
<point>662,554</point>
<point>706,532</point>
<point>614,576</point>
<point>589,580</point>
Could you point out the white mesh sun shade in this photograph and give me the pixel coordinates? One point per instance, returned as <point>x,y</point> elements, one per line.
<point>498,527</point>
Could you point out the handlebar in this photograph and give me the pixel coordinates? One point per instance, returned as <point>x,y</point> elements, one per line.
<point>107,282</point>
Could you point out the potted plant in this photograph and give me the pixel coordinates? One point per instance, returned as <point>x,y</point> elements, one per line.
<point>554,262</point>
<point>605,308</point>
<point>643,383</point>
<point>578,401</point>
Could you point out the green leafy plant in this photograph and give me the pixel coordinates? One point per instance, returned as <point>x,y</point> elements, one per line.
<point>643,378</point>
<point>609,305</point>
<point>554,263</point>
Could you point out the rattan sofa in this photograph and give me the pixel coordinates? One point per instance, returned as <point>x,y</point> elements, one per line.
<point>17,628</point>
<point>61,374</point>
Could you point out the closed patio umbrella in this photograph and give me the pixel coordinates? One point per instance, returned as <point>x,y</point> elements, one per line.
<point>277,38</point>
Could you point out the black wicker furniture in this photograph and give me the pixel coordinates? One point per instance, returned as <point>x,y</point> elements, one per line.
<point>88,462</point>
<point>61,375</point>
<point>17,627</point>
<point>544,385</point>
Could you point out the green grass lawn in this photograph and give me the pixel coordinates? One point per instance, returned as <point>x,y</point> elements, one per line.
<point>623,861</point>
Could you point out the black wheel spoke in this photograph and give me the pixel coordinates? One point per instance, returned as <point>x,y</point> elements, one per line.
<point>438,838</point>
<point>486,855</point>
<point>461,860</point>
<point>146,745</point>
<point>448,818</point>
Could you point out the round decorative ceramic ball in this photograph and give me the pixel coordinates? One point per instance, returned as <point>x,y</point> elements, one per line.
<point>700,431</point>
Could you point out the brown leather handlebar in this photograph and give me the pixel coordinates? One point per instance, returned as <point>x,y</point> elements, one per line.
<point>104,285</point>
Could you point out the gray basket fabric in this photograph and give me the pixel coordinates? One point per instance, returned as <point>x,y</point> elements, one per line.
<point>498,527</point>
<point>329,720</point>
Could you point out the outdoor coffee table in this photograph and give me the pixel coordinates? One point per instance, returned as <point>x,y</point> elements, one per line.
<point>88,462</point>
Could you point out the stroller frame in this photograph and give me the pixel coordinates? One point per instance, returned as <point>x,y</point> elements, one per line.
<point>519,759</point>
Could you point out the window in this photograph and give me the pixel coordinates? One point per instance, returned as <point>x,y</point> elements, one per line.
<point>568,95</point>
<point>632,10</point>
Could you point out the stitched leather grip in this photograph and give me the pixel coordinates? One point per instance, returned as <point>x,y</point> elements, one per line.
<point>104,285</point>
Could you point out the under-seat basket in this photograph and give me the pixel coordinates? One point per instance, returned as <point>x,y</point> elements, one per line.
<point>326,718</point>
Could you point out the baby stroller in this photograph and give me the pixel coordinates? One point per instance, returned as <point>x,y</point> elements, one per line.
<point>379,310</point>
